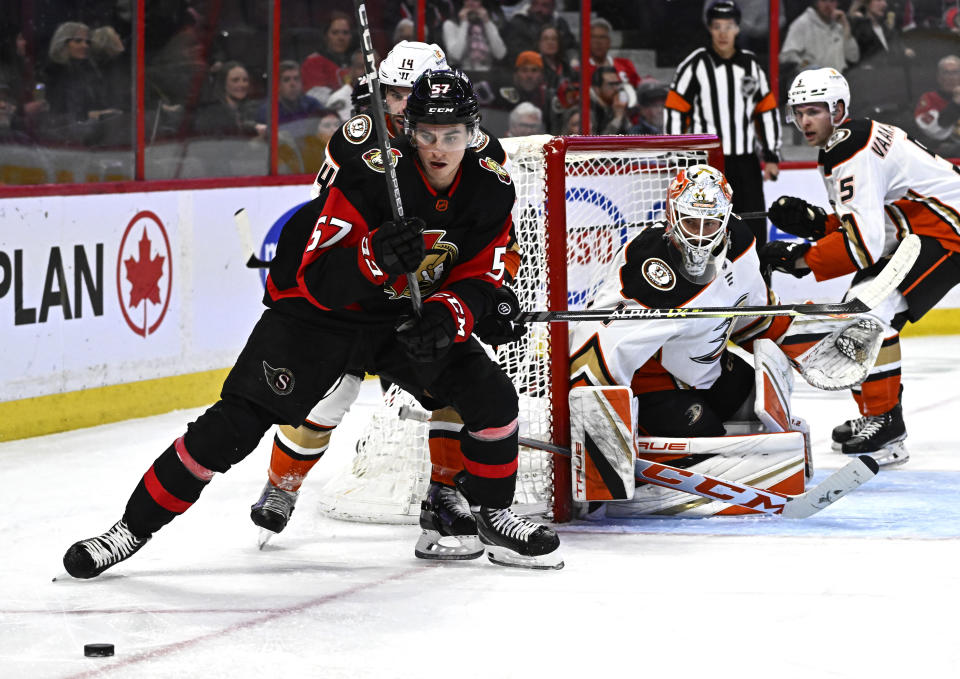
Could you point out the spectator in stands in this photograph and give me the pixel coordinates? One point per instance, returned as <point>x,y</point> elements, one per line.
<point>528,85</point>
<point>340,100</point>
<point>232,113</point>
<point>651,96</point>
<point>874,29</point>
<point>570,121</point>
<point>328,66</point>
<point>600,56</point>
<point>819,37</point>
<point>525,119</point>
<point>404,30</point>
<point>9,132</point>
<point>608,102</point>
<point>107,52</point>
<point>75,87</point>
<point>524,26</point>
<point>473,40</point>
<point>315,146</point>
<point>292,103</point>
<point>938,112</point>
<point>556,67</point>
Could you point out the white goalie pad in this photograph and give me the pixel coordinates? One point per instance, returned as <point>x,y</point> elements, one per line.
<point>843,358</point>
<point>602,422</point>
<point>771,461</point>
<point>773,383</point>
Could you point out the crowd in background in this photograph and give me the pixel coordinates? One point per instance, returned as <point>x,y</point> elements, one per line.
<point>65,69</point>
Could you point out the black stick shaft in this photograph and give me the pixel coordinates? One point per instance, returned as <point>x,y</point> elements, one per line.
<point>380,124</point>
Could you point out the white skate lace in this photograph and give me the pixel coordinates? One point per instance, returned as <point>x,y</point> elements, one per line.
<point>857,424</point>
<point>453,502</point>
<point>871,427</point>
<point>509,524</point>
<point>279,501</point>
<point>115,545</point>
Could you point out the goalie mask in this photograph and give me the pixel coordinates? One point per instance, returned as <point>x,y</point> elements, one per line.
<point>443,98</point>
<point>698,209</point>
<point>819,86</point>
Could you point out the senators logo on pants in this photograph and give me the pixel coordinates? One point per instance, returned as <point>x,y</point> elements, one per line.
<point>280,380</point>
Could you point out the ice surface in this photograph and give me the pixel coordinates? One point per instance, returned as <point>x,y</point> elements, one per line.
<point>868,587</point>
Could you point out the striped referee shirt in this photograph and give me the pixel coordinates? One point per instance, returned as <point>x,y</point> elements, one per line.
<point>730,98</point>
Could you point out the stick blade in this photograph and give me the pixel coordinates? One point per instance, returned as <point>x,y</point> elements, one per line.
<point>848,478</point>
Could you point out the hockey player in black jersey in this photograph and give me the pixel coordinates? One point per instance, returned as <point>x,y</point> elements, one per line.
<point>337,300</point>
<point>296,449</point>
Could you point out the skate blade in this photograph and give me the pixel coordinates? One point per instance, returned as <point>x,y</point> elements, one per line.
<point>431,545</point>
<point>264,537</point>
<point>507,557</point>
<point>893,454</point>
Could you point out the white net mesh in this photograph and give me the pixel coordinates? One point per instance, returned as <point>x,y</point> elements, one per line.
<point>610,195</point>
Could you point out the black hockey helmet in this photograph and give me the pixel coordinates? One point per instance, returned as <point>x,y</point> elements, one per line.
<point>443,98</point>
<point>723,9</point>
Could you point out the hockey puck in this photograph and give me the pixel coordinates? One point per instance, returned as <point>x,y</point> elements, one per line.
<point>98,650</point>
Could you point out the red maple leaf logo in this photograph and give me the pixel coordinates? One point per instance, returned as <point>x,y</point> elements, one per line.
<point>144,274</point>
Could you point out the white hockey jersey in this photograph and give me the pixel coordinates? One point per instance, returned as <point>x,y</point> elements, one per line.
<point>662,354</point>
<point>882,185</point>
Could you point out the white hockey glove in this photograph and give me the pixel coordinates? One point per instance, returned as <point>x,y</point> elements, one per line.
<point>843,358</point>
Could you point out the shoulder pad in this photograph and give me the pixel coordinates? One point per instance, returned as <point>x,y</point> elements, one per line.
<point>741,239</point>
<point>357,130</point>
<point>648,276</point>
<point>846,141</point>
<point>490,146</point>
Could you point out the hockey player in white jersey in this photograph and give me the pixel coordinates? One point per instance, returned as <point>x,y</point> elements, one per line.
<point>683,377</point>
<point>882,185</point>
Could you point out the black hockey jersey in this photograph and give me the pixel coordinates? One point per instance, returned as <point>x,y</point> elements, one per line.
<point>323,269</point>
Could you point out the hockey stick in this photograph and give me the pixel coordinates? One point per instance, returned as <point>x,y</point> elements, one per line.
<point>750,215</point>
<point>242,221</point>
<point>380,124</point>
<point>868,297</point>
<point>849,477</point>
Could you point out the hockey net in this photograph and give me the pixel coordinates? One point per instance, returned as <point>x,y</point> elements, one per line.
<point>578,200</point>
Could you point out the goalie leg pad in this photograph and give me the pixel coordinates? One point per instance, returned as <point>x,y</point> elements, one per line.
<point>773,386</point>
<point>602,422</point>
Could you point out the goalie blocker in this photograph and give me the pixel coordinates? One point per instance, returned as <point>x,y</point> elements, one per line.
<point>770,452</point>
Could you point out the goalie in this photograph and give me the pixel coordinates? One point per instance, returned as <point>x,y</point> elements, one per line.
<point>683,380</point>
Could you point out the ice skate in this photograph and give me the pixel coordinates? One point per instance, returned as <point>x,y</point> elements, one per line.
<point>89,558</point>
<point>449,529</point>
<point>846,431</point>
<point>272,511</point>
<point>881,437</point>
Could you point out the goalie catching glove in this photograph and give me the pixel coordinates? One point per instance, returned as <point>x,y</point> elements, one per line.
<point>781,255</point>
<point>499,327</point>
<point>843,358</point>
<point>399,248</point>
<point>798,217</point>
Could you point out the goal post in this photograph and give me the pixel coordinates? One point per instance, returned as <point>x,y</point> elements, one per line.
<point>579,199</point>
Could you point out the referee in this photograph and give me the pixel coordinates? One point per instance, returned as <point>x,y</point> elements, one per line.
<point>722,90</point>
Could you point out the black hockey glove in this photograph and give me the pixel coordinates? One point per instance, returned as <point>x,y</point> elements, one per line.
<point>428,338</point>
<point>398,248</point>
<point>781,255</point>
<point>798,217</point>
<point>498,327</point>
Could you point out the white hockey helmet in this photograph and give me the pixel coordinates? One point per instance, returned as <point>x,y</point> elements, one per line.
<point>407,60</point>
<point>699,204</point>
<point>816,86</point>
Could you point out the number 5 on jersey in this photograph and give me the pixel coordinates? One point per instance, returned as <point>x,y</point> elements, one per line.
<point>325,234</point>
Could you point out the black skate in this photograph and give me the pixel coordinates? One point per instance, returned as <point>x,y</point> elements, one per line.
<point>449,529</point>
<point>272,511</point>
<point>89,558</point>
<point>881,437</point>
<point>846,431</point>
<point>512,540</point>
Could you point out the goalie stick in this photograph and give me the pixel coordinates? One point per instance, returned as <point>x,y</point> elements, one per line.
<point>380,124</point>
<point>848,478</point>
<point>869,296</point>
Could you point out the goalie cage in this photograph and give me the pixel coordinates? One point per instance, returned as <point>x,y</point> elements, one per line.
<point>578,200</point>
